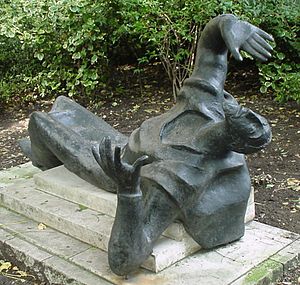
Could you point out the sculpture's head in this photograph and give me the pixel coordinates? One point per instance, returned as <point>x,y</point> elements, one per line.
<point>250,132</point>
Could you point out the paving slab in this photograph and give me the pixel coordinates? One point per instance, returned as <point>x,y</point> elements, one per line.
<point>48,268</point>
<point>65,184</point>
<point>253,260</point>
<point>84,224</point>
<point>42,236</point>
<point>266,272</point>
<point>61,272</point>
<point>289,257</point>
<point>259,258</point>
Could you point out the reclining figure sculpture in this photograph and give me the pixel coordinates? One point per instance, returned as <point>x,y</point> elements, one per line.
<point>187,164</point>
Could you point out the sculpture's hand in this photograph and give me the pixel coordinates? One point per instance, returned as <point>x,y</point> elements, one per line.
<point>125,175</point>
<point>240,35</point>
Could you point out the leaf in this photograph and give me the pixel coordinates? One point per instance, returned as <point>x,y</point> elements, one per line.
<point>74,9</point>
<point>39,55</point>
<point>281,55</point>
<point>76,55</point>
<point>294,184</point>
<point>10,34</point>
<point>293,181</point>
<point>263,89</point>
<point>94,59</point>
<point>22,273</point>
<point>41,226</point>
<point>94,75</point>
<point>5,266</point>
<point>81,208</point>
<point>267,83</point>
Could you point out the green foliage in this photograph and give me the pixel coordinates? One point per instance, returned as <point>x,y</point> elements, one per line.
<point>280,18</point>
<point>282,74</point>
<point>282,77</point>
<point>54,47</point>
<point>170,31</point>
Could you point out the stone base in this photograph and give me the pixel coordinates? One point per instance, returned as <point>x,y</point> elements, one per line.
<point>258,258</point>
<point>61,182</point>
<point>63,201</point>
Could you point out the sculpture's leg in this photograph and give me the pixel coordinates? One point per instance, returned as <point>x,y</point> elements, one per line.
<point>218,218</point>
<point>53,144</point>
<point>83,122</point>
<point>138,224</point>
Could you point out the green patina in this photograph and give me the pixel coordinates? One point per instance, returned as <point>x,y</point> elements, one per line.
<point>264,270</point>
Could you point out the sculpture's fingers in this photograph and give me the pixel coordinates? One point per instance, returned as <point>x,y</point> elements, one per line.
<point>109,155</point>
<point>236,54</point>
<point>248,48</point>
<point>259,48</point>
<point>105,153</point>
<point>117,159</point>
<point>262,42</point>
<point>265,35</point>
<point>140,162</point>
<point>232,110</point>
<point>95,151</point>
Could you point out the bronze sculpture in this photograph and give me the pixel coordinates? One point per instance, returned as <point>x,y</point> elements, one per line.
<point>186,164</point>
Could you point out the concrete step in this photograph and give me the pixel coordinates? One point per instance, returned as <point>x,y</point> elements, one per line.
<point>261,257</point>
<point>18,173</point>
<point>85,224</point>
<point>61,182</point>
<point>45,252</point>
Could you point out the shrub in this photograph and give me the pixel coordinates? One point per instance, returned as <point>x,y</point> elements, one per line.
<point>53,47</point>
<point>170,29</point>
<point>282,74</point>
<point>61,43</point>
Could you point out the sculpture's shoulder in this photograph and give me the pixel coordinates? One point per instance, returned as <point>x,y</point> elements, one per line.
<point>147,138</point>
<point>184,181</point>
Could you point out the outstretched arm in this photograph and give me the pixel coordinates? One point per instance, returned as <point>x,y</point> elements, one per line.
<point>225,33</point>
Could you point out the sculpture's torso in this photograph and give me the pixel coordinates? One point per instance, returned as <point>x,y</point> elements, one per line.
<point>186,165</point>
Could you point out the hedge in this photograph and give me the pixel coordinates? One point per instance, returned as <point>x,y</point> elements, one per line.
<point>54,47</point>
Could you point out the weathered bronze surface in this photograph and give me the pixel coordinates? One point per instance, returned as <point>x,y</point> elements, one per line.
<point>187,164</point>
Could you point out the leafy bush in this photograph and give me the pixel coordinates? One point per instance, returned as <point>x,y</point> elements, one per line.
<point>53,47</point>
<point>282,74</point>
<point>170,29</point>
<point>62,44</point>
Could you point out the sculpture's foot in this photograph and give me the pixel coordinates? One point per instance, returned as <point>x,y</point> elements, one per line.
<point>25,146</point>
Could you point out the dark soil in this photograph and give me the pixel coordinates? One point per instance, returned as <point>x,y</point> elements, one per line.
<point>275,171</point>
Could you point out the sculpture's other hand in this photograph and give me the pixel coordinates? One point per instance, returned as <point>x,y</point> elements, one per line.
<point>127,176</point>
<point>240,35</point>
